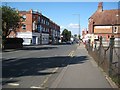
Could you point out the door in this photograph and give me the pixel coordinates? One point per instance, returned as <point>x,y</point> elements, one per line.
<point>34,40</point>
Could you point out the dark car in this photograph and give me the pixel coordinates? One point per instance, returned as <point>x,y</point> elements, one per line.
<point>68,42</point>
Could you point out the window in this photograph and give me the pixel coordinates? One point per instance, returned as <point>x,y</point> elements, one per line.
<point>24,17</point>
<point>38,28</point>
<point>41,28</point>
<point>44,29</point>
<point>48,23</point>
<point>42,20</point>
<point>47,30</point>
<point>115,29</point>
<point>23,26</point>
<point>39,19</point>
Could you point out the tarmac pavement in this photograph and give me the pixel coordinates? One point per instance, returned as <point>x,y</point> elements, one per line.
<point>81,72</point>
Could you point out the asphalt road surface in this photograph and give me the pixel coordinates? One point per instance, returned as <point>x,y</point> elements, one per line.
<point>50,66</point>
<point>34,66</point>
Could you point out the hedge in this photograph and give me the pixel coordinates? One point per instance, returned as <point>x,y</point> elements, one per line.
<point>11,43</point>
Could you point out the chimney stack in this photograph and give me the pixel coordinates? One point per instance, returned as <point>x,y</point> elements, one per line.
<point>31,10</point>
<point>100,7</point>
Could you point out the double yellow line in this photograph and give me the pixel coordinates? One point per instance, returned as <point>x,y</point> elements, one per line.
<point>71,54</point>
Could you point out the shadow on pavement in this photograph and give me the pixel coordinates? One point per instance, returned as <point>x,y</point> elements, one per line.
<point>35,66</point>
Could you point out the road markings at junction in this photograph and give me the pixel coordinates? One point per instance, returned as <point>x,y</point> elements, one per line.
<point>13,84</point>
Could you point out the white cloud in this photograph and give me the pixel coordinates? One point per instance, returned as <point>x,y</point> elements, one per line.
<point>71,25</point>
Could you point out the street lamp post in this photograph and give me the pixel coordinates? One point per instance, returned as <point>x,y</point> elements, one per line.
<point>78,24</point>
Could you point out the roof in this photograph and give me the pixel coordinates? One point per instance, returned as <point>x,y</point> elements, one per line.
<point>106,17</point>
<point>24,12</point>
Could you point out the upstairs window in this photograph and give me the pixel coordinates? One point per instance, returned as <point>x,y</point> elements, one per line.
<point>115,29</point>
<point>39,19</point>
<point>42,20</point>
<point>24,17</point>
<point>38,28</point>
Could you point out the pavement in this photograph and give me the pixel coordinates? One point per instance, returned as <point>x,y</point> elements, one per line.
<point>83,74</point>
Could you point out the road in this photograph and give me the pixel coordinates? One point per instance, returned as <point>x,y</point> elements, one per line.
<point>51,66</point>
<point>32,66</point>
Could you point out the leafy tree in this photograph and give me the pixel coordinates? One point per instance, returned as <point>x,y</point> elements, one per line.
<point>10,20</point>
<point>79,36</point>
<point>69,35</point>
<point>75,35</point>
<point>66,35</point>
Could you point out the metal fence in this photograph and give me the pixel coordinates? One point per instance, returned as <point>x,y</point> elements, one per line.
<point>107,56</point>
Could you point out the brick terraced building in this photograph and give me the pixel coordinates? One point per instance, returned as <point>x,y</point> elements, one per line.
<point>36,29</point>
<point>105,23</point>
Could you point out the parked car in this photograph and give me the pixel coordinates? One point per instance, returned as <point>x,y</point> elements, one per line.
<point>68,42</point>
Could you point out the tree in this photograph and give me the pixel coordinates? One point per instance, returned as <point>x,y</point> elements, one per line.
<point>75,35</point>
<point>66,35</point>
<point>69,35</point>
<point>79,36</point>
<point>10,20</point>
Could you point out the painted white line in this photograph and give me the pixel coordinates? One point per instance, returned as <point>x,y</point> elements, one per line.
<point>10,78</point>
<point>47,78</point>
<point>113,85</point>
<point>36,87</point>
<point>55,70</point>
<point>13,84</point>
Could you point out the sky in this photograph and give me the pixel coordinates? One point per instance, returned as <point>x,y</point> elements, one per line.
<point>65,14</point>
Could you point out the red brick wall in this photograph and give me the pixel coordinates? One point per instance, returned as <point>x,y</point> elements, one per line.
<point>28,23</point>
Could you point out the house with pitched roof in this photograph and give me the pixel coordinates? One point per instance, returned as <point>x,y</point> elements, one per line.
<point>105,23</point>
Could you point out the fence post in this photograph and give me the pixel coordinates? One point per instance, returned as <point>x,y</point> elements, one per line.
<point>111,54</point>
<point>100,50</point>
<point>89,45</point>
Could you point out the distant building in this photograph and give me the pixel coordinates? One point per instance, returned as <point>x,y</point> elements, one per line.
<point>105,23</point>
<point>84,32</point>
<point>36,28</point>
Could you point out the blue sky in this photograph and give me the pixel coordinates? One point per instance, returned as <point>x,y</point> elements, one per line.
<point>62,13</point>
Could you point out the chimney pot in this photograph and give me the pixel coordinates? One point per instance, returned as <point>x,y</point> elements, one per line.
<point>100,7</point>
